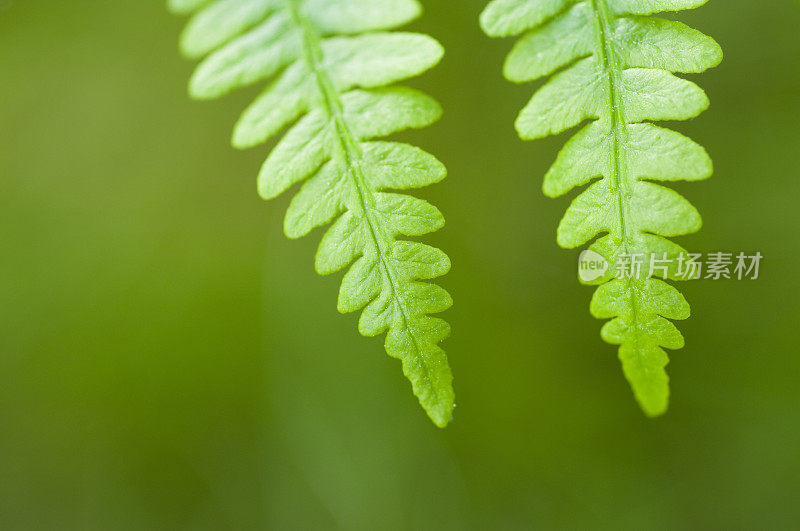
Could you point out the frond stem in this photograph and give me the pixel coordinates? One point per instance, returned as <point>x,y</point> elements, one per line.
<point>350,151</point>
<point>618,128</point>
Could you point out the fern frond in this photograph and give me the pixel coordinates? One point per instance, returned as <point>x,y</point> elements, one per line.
<point>613,64</point>
<point>334,64</point>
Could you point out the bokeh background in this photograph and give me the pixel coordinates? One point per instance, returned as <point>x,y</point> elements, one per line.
<point>169,361</point>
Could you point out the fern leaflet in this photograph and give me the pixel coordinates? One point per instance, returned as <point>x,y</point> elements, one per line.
<point>613,64</point>
<point>333,63</point>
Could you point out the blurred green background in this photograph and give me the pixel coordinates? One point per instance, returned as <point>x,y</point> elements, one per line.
<point>170,361</point>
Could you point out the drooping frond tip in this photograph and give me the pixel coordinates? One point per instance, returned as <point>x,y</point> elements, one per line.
<point>613,65</point>
<point>333,65</point>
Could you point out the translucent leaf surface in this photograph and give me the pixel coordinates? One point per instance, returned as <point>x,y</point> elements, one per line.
<point>330,66</point>
<point>614,67</point>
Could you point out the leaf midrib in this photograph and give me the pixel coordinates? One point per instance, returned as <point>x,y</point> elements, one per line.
<point>616,118</point>
<point>351,152</point>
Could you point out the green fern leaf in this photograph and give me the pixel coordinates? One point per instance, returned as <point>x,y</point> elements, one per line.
<point>612,64</point>
<point>332,66</point>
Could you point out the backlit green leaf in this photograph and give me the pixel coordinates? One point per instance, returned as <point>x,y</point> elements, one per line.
<point>616,69</point>
<point>330,67</point>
